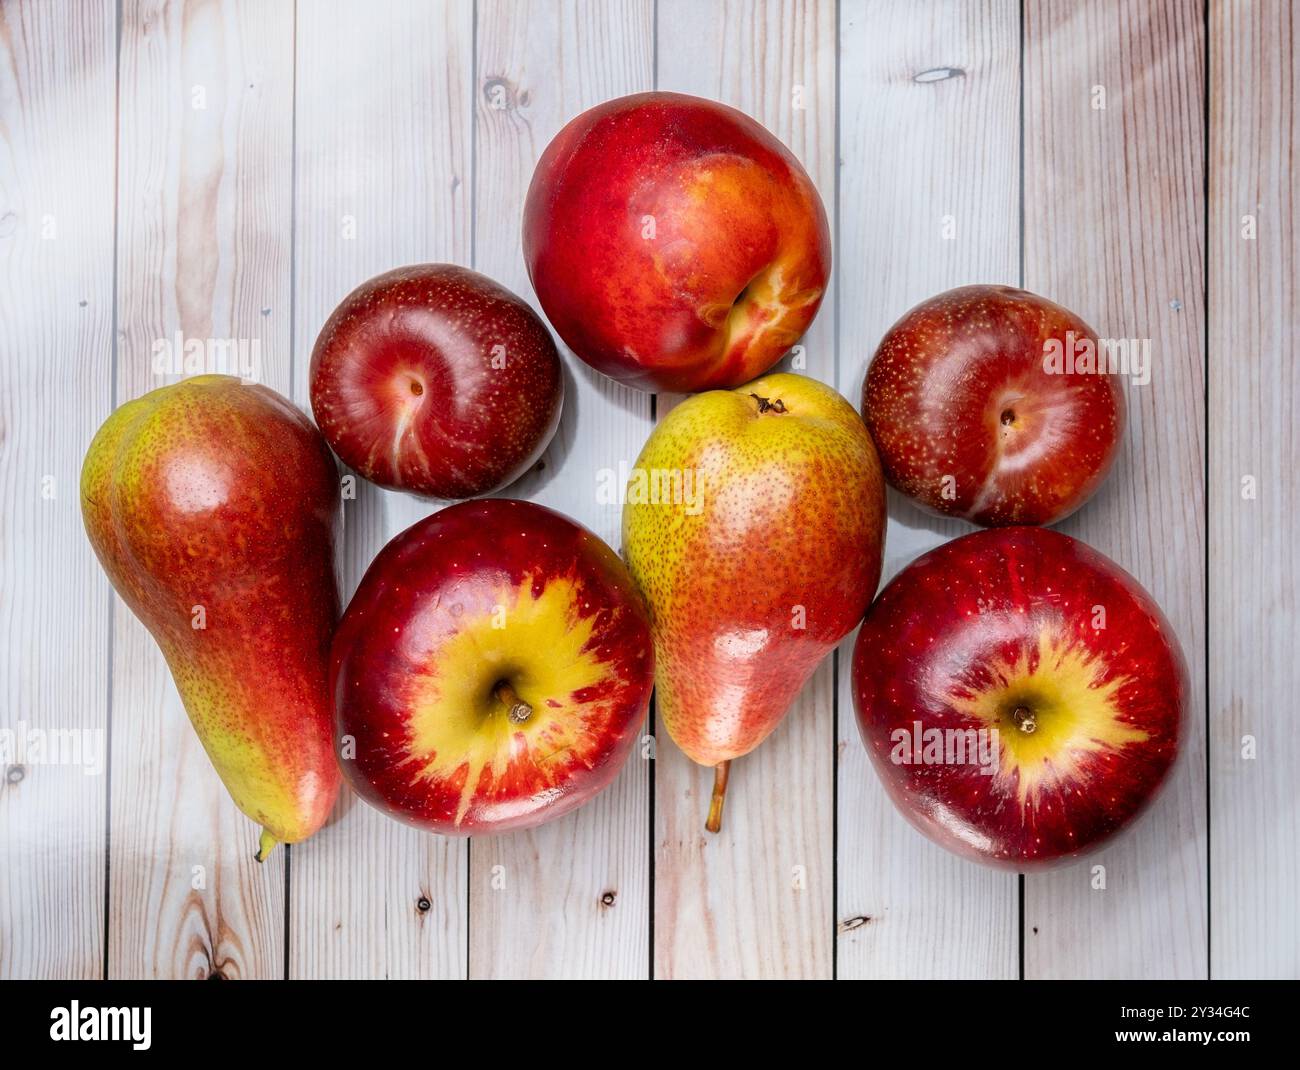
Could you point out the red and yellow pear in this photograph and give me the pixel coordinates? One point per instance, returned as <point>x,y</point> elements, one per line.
<point>213,506</point>
<point>754,523</point>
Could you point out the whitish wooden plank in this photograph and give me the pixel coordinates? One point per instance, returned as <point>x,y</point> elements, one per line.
<point>203,205</point>
<point>570,899</point>
<point>1114,215</point>
<point>756,900</point>
<point>1254,567</point>
<point>929,183</point>
<point>57,73</point>
<point>383,149</point>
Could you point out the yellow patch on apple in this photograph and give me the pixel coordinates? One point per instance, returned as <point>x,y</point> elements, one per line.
<point>535,643</point>
<point>1050,706</point>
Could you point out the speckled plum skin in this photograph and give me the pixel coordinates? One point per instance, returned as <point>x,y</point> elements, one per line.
<point>436,380</point>
<point>970,424</point>
<point>674,243</point>
<point>1002,622</point>
<point>186,504</point>
<point>478,593</point>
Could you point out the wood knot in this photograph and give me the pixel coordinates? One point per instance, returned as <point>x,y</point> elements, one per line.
<point>938,74</point>
<point>500,94</point>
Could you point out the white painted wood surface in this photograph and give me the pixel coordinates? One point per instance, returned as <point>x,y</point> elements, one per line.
<point>1254,565</point>
<point>928,200</point>
<point>756,900</point>
<point>382,155</point>
<point>204,106</point>
<point>1114,219</point>
<point>571,898</point>
<point>56,384</point>
<point>232,168</point>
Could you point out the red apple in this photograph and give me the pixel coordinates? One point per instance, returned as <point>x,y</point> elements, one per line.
<point>436,380</point>
<point>1021,696</point>
<point>492,671</point>
<point>674,243</point>
<point>986,403</point>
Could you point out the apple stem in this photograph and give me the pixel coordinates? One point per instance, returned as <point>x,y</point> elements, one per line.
<point>1024,719</point>
<point>720,771</point>
<point>265,846</point>
<point>518,711</point>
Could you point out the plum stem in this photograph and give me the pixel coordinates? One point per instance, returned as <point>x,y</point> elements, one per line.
<point>720,771</point>
<point>518,711</point>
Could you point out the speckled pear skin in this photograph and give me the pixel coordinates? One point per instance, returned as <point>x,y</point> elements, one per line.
<point>776,561</point>
<point>215,494</point>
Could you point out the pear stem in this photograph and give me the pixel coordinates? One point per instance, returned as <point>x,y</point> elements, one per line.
<point>767,404</point>
<point>720,771</point>
<point>265,846</point>
<point>518,711</point>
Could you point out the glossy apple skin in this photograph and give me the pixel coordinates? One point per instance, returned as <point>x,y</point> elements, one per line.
<point>674,243</point>
<point>185,502</point>
<point>436,380</point>
<point>1004,619</point>
<point>970,424</point>
<point>475,594</point>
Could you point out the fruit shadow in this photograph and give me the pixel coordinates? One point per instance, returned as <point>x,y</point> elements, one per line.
<point>630,399</point>
<point>552,460</point>
<point>912,532</point>
<point>581,383</point>
<point>343,805</point>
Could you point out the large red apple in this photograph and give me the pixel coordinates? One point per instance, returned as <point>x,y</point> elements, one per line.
<point>1021,696</point>
<point>436,380</point>
<point>492,671</point>
<point>995,405</point>
<point>674,243</point>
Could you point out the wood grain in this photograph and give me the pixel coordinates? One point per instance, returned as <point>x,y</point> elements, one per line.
<point>1114,212</point>
<point>382,157</point>
<point>570,899</point>
<point>755,901</point>
<point>929,185</point>
<point>251,161</point>
<point>1254,566</point>
<point>205,114</point>
<point>57,75</point>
